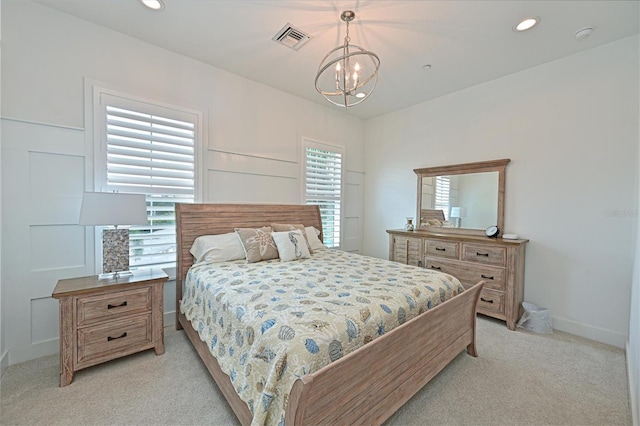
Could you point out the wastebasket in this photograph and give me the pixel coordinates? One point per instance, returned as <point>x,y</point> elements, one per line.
<point>536,319</point>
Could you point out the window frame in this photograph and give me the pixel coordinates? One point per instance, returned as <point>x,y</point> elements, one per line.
<point>96,144</point>
<point>312,143</point>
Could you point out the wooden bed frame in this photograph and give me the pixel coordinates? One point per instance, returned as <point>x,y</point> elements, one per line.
<point>367,385</point>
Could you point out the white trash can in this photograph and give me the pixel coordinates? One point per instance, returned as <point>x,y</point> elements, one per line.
<point>536,319</point>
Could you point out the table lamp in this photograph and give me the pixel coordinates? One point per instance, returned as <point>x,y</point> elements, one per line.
<point>458,213</point>
<point>114,209</point>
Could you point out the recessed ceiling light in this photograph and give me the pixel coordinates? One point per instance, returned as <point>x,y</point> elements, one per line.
<point>526,24</point>
<point>153,4</point>
<point>360,95</point>
<point>583,33</point>
<point>426,67</point>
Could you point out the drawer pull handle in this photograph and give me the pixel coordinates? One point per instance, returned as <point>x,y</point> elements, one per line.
<point>482,254</point>
<point>440,249</point>
<point>486,277</point>
<point>117,306</point>
<point>437,268</point>
<point>482,298</point>
<point>115,338</point>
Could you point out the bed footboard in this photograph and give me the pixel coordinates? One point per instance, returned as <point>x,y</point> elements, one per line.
<point>371,383</point>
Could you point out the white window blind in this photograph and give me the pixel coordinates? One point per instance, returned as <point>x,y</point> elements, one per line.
<point>150,150</point>
<point>323,186</point>
<point>443,189</point>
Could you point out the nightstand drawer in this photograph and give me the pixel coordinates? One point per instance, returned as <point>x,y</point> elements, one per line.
<point>439,248</point>
<point>106,307</point>
<point>113,338</point>
<point>488,255</point>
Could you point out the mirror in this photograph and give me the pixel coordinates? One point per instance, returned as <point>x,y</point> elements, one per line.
<point>461,198</point>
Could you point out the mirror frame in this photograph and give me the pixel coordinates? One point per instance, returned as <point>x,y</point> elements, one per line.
<point>459,169</point>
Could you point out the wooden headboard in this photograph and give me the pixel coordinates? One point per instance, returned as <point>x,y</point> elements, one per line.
<point>194,220</point>
<point>426,214</point>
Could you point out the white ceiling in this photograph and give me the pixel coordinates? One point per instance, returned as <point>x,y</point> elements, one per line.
<point>465,42</point>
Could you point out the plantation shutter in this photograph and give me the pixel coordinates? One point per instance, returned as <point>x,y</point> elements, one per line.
<point>443,188</point>
<point>323,186</point>
<point>151,150</point>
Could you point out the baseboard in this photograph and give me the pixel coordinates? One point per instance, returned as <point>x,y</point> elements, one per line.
<point>4,363</point>
<point>633,387</point>
<point>590,332</point>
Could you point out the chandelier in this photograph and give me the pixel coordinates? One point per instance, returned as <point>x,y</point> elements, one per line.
<point>347,74</point>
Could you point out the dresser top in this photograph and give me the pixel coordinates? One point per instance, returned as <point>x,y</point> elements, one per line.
<point>91,284</point>
<point>456,237</point>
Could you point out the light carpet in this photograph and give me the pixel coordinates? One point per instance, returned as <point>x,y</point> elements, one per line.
<point>519,378</point>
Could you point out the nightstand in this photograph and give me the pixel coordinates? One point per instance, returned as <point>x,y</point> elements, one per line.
<point>101,320</point>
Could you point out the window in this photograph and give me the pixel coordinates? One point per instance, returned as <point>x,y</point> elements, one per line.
<point>148,149</point>
<point>323,186</point>
<point>442,200</point>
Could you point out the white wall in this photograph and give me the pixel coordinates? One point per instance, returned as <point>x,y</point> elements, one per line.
<point>251,153</point>
<point>633,344</point>
<point>4,359</point>
<point>570,128</point>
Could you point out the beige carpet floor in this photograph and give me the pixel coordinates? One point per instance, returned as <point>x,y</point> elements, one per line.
<point>519,378</point>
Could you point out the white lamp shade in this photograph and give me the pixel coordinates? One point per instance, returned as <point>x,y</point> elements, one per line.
<point>113,208</point>
<point>458,212</point>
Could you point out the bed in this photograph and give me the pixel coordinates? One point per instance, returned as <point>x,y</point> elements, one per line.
<point>365,385</point>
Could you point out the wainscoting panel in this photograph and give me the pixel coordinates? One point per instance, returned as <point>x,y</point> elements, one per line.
<point>233,187</point>
<point>45,321</point>
<point>353,209</point>
<point>43,169</point>
<point>56,247</point>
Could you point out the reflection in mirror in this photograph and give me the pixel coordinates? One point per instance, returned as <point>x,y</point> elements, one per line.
<point>460,201</point>
<point>461,198</point>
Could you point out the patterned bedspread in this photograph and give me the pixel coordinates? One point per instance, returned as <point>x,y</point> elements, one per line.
<point>269,323</point>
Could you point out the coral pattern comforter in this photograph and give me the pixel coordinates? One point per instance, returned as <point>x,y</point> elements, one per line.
<point>269,323</point>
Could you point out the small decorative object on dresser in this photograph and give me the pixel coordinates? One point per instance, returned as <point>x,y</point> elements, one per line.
<point>470,258</point>
<point>105,319</point>
<point>409,225</point>
<point>492,231</point>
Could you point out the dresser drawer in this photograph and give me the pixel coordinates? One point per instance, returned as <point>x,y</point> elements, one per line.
<point>95,309</point>
<point>485,254</point>
<point>470,274</point>
<point>110,339</point>
<point>491,302</point>
<point>438,248</point>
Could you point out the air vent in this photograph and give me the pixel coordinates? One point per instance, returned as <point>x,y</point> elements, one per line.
<point>291,36</point>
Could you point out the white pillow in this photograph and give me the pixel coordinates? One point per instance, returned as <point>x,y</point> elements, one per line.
<point>312,237</point>
<point>217,248</point>
<point>291,245</point>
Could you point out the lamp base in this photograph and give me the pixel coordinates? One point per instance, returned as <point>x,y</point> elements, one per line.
<point>115,275</point>
<point>115,251</point>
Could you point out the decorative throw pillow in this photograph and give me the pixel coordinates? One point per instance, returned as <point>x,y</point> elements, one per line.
<point>281,227</point>
<point>291,245</point>
<point>312,238</point>
<point>258,243</point>
<point>217,248</point>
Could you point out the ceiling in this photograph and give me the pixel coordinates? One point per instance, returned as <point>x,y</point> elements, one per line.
<point>465,42</point>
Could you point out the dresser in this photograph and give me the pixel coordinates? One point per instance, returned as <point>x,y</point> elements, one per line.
<point>470,258</point>
<point>101,320</point>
